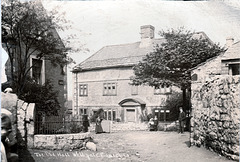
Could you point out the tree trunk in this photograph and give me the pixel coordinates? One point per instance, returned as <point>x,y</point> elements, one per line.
<point>184,99</point>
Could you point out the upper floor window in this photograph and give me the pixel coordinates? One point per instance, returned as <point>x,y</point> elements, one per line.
<point>163,89</point>
<point>37,70</point>
<point>134,90</point>
<point>83,90</point>
<point>110,89</point>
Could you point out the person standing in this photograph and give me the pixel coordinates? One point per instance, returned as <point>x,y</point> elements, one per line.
<point>181,120</point>
<point>98,128</point>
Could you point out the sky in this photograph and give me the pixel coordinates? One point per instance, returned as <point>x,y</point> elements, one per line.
<point>101,23</point>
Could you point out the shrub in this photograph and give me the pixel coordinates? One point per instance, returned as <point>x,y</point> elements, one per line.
<point>44,96</point>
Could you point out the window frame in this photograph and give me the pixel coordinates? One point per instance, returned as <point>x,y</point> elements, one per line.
<point>162,90</point>
<point>84,90</point>
<point>110,89</point>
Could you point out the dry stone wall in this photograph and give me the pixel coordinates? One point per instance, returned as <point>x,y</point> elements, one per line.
<point>216,115</point>
<point>22,119</point>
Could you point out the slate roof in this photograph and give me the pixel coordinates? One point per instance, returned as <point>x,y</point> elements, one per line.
<point>117,56</point>
<point>233,52</point>
<point>122,55</point>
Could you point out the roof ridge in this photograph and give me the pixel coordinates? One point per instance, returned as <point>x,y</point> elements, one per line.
<point>130,43</point>
<point>115,58</point>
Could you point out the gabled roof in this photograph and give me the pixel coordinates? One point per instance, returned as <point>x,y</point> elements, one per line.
<point>233,52</point>
<point>117,56</point>
<point>123,54</point>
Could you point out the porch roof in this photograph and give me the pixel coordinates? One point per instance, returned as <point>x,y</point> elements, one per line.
<point>132,100</point>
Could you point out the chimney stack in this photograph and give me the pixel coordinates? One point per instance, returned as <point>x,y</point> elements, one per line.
<point>229,42</point>
<point>147,34</point>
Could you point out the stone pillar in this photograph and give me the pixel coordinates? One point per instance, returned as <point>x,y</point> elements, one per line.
<point>22,119</point>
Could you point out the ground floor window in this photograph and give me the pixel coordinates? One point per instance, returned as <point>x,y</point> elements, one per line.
<point>110,114</point>
<point>162,114</point>
<point>234,69</point>
<point>83,111</point>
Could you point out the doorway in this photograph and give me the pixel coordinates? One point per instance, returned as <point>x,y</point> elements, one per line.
<point>130,115</point>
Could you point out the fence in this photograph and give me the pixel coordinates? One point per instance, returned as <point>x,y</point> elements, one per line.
<point>57,125</point>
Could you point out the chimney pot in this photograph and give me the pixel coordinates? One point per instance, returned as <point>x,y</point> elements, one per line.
<point>147,34</point>
<point>147,31</point>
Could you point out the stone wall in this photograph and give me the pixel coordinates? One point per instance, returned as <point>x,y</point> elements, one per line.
<point>216,115</point>
<point>23,128</point>
<point>61,141</point>
<point>22,119</point>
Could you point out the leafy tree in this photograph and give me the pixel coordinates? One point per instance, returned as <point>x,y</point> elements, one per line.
<point>170,62</point>
<point>44,96</point>
<point>27,29</point>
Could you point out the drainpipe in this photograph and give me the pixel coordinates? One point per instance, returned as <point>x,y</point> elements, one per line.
<point>76,105</point>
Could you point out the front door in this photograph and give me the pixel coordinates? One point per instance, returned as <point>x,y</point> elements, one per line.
<point>130,115</point>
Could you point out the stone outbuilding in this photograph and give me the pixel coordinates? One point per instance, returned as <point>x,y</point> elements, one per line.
<point>215,102</point>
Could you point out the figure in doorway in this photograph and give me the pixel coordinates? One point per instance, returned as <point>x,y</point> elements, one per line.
<point>181,120</point>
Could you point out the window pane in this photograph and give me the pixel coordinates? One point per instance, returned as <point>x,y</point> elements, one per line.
<point>105,114</point>
<point>109,115</point>
<point>109,89</point>
<point>114,114</point>
<point>83,89</point>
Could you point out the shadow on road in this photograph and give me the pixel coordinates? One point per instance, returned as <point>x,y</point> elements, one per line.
<point>24,155</point>
<point>188,143</point>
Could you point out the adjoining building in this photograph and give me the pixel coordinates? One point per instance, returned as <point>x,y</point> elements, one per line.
<point>41,71</point>
<point>215,102</point>
<point>227,63</point>
<point>103,81</point>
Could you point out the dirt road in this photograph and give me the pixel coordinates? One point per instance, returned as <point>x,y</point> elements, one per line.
<point>134,146</point>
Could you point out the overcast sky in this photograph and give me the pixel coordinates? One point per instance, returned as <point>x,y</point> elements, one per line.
<point>101,23</point>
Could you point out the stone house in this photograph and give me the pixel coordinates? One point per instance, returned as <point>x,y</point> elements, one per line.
<point>102,81</point>
<point>42,71</point>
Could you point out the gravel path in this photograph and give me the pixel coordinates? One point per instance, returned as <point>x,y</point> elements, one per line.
<point>133,146</point>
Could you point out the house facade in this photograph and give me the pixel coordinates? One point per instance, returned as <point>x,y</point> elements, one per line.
<point>103,81</point>
<point>41,71</point>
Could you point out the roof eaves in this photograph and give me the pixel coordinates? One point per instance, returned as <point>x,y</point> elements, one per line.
<point>102,67</point>
<point>208,60</point>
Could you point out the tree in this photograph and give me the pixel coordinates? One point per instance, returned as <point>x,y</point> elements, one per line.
<point>44,96</point>
<point>27,29</point>
<point>170,62</point>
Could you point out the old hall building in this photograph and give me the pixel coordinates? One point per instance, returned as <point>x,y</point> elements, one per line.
<point>102,81</point>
